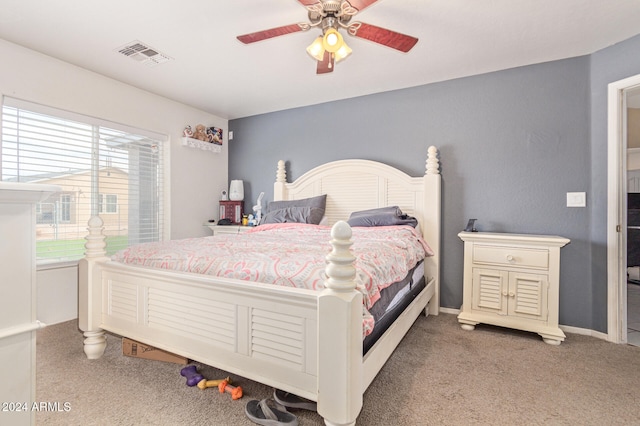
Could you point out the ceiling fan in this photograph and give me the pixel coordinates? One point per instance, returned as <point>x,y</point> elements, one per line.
<point>330,16</point>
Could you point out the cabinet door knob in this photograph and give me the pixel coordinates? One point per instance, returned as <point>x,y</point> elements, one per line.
<point>512,294</point>
<point>510,258</point>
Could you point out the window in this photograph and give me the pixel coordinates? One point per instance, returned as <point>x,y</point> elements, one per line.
<point>103,168</point>
<point>108,203</point>
<point>65,208</point>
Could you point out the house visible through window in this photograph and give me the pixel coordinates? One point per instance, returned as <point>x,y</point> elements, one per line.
<point>103,168</point>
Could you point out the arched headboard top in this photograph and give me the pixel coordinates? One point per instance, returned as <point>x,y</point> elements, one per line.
<point>353,185</point>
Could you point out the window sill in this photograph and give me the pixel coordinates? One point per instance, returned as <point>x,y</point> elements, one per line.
<point>57,265</point>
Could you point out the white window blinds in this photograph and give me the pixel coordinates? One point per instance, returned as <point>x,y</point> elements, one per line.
<point>103,168</point>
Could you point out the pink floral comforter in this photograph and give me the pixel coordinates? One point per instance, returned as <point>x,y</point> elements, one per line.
<point>291,255</point>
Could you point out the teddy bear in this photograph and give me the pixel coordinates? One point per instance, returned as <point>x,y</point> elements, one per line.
<point>200,133</point>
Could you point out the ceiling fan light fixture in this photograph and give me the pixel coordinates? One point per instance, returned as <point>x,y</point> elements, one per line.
<point>315,49</point>
<point>332,40</point>
<point>342,53</point>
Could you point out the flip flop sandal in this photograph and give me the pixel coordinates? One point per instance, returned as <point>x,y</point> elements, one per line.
<point>261,413</point>
<point>290,400</point>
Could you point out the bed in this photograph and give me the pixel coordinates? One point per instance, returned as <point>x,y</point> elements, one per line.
<point>306,342</point>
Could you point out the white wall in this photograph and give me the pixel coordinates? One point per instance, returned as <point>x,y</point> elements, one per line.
<point>196,177</point>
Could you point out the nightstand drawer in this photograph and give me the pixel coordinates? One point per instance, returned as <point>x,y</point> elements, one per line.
<point>511,256</point>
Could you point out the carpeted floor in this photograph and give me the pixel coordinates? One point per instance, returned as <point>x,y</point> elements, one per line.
<point>439,375</point>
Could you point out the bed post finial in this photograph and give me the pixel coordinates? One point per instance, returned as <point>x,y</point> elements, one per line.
<point>433,164</point>
<point>280,185</point>
<point>95,245</point>
<point>340,334</point>
<point>281,174</point>
<point>340,270</point>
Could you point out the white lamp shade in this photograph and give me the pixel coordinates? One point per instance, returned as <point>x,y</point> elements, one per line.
<point>236,190</point>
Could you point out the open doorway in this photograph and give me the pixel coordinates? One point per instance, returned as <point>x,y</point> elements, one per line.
<point>633,216</point>
<point>622,177</point>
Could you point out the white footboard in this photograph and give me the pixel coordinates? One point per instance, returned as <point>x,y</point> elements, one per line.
<point>297,340</point>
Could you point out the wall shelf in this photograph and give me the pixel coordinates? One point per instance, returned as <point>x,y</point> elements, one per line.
<point>198,144</point>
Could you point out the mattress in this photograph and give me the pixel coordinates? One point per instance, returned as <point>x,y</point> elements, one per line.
<point>393,301</point>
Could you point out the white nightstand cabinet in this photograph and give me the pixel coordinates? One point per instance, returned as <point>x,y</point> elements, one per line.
<point>512,280</point>
<point>227,229</point>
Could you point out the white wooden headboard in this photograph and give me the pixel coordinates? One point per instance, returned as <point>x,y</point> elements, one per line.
<point>353,185</point>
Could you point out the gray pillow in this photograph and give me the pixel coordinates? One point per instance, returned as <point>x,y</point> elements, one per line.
<point>287,215</point>
<point>314,215</point>
<point>384,216</point>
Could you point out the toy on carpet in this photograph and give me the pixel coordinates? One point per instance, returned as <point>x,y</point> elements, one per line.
<point>192,375</point>
<point>204,383</point>
<point>235,391</point>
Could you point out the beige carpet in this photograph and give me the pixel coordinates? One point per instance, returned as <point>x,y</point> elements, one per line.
<point>439,375</point>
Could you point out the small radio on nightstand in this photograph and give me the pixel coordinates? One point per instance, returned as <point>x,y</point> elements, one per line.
<point>232,210</point>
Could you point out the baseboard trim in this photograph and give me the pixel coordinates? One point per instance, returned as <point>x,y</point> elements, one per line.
<point>584,332</point>
<point>450,311</point>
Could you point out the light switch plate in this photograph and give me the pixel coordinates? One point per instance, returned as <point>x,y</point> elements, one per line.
<point>576,199</point>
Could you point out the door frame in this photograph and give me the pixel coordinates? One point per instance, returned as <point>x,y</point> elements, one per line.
<point>617,208</point>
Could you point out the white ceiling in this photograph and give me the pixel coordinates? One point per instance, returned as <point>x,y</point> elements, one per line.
<point>213,71</point>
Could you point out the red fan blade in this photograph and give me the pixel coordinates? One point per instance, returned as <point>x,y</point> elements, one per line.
<point>398,41</point>
<point>326,65</point>
<point>361,4</point>
<point>273,32</point>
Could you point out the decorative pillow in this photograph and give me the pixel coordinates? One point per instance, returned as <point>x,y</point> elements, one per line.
<point>306,210</point>
<point>384,216</point>
<point>287,215</point>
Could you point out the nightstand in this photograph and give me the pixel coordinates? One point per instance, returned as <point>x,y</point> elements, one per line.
<point>227,229</point>
<point>512,280</point>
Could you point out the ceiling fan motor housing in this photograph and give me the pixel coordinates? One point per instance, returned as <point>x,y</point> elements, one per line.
<point>329,13</point>
<point>331,6</point>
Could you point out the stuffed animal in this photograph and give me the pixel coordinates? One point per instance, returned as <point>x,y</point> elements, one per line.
<point>200,133</point>
<point>188,132</point>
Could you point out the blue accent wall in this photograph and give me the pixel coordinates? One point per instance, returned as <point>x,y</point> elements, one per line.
<point>512,144</point>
